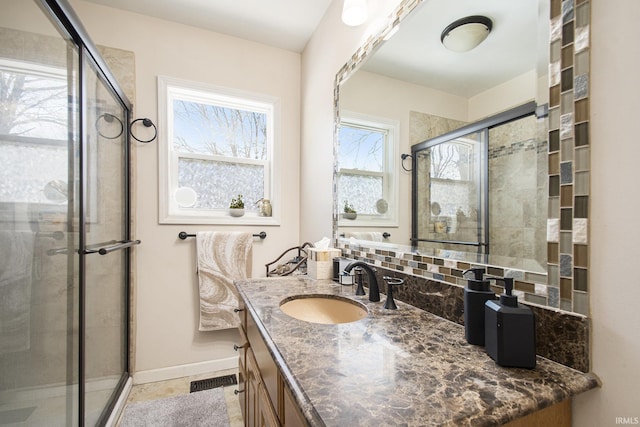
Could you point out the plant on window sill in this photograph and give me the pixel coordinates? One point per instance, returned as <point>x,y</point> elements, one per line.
<point>236,207</point>
<point>349,212</point>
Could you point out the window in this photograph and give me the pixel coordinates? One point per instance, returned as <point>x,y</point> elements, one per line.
<point>366,170</point>
<point>218,143</point>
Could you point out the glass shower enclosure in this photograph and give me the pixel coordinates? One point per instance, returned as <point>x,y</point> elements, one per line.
<point>64,221</point>
<point>479,190</point>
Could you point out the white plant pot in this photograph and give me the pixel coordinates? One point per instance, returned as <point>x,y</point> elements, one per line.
<point>350,215</point>
<point>236,212</point>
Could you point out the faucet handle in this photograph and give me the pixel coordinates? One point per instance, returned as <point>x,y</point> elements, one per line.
<point>393,280</point>
<point>390,304</point>
<point>359,273</point>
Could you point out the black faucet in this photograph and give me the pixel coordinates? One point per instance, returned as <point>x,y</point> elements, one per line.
<point>374,291</point>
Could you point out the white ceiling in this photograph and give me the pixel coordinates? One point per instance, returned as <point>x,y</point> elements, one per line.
<point>414,54</point>
<point>287,24</point>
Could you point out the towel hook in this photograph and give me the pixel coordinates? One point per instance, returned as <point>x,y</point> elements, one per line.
<point>147,123</point>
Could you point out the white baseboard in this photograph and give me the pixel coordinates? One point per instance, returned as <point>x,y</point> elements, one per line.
<point>179,371</point>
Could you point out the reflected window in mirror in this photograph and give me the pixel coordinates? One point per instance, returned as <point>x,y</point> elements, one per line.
<point>451,192</point>
<point>366,171</point>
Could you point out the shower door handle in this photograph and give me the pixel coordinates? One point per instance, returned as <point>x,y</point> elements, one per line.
<point>111,248</point>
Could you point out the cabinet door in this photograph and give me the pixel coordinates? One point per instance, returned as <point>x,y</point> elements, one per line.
<point>241,348</point>
<point>242,387</point>
<point>266,414</point>
<point>291,416</point>
<point>252,382</point>
<point>264,361</point>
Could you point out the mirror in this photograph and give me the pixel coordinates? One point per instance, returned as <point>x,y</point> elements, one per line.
<point>413,89</point>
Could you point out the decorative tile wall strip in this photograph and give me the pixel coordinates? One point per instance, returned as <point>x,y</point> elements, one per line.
<point>565,286</point>
<point>567,228</point>
<point>528,286</point>
<point>516,147</point>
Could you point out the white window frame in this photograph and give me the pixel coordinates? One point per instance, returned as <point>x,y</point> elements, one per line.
<point>170,88</point>
<point>390,175</point>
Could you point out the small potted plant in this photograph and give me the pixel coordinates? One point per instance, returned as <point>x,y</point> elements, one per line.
<point>236,207</point>
<point>349,212</point>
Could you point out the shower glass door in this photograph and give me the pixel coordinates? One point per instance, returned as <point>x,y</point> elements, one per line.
<point>63,196</point>
<point>105,222</point>
<point>450,193</point>
<point>39,217</point>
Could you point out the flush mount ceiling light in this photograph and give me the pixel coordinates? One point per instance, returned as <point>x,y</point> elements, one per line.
<point>466,33</point>
<point>354,12</point>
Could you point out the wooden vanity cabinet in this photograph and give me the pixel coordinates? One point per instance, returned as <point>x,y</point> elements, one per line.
<point>265,399</point>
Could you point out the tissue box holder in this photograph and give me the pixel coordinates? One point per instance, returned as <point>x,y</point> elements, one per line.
<point>320,262</point>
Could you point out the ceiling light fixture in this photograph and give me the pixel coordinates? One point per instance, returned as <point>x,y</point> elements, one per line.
<point>354,12</point>
<point>466,33</point>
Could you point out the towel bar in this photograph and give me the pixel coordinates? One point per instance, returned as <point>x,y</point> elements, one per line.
<point>384,235</point>
<point>183,235</point>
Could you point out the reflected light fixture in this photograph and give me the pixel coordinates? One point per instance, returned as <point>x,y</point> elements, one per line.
<point>466,33</point>
<point>354,12</point>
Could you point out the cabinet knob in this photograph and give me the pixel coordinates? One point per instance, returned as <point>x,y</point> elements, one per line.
<point>237,392</point>
<point>237,347</point>
<point>238,310</point>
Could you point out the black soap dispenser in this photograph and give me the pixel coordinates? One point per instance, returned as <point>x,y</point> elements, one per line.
<point>476,294</point>
<point>510,330</point>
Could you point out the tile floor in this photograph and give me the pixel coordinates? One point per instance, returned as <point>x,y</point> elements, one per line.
<point>179,386</point>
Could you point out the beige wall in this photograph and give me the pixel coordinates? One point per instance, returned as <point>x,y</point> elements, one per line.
<point>167,301</point>
<point>505,96</point>
<point>614,207</point>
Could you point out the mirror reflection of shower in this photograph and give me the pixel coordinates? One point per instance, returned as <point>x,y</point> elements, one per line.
<point>450,192</point>
<point>485,190</point>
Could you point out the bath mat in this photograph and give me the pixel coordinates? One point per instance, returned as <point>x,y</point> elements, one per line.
<point>202,409</point>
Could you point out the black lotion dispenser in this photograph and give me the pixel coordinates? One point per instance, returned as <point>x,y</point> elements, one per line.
<point>476,294</point>
<point>510,330</point>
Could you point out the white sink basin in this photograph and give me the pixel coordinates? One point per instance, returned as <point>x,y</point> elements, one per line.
<point>325,309</point>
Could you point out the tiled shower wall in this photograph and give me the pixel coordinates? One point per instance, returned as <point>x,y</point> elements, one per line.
<point>565,286</point>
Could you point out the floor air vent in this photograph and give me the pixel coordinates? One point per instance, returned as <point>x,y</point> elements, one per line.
<point>210,383</point>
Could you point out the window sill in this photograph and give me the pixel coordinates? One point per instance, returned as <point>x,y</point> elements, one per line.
<point>366,223</point>
<point>246,219</point>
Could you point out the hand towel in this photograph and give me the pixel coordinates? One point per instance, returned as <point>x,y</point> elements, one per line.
<point>16,262</point>
<point>222,258</point>
<point>371,236</point>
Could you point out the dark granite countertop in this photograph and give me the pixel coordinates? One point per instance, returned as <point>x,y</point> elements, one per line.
<point>396,367</point>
